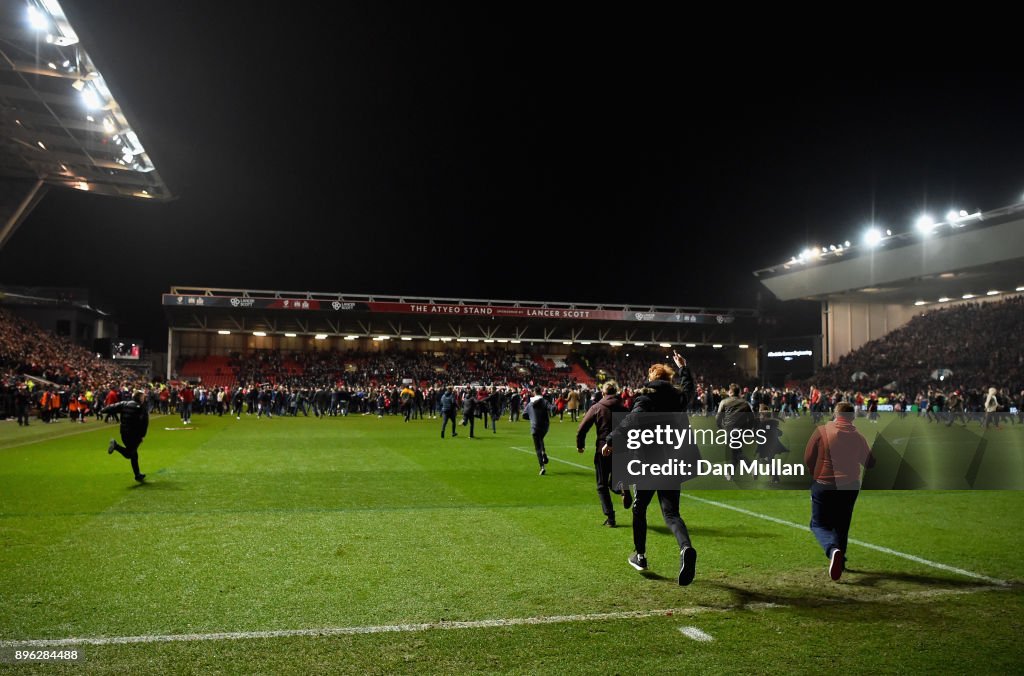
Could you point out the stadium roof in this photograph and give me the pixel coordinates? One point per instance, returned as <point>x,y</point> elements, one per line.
<point>60,125</point>
<point>971,256</point>
<point>407,317</point>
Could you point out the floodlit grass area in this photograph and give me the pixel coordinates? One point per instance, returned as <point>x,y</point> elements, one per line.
<point>305,524</point>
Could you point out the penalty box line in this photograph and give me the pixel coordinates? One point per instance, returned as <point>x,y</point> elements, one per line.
<point>878,548</point>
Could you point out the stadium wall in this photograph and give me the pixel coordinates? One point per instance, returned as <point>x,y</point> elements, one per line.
<point>848,326</point>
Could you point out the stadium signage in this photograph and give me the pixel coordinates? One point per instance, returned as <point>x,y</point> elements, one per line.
<point>791,353</point>
<point>446,309</point>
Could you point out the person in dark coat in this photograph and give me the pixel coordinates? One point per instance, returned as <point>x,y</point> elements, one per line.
<point>469,409</point>
<point>22,399</point>
<point>600,416</point>
<point>134,425</point>
<point>539,415</point>
<point>659,395</point>
<point>447,404</point>
<point>772,446</point>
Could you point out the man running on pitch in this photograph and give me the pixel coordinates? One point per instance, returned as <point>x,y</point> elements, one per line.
<point>134,425</point>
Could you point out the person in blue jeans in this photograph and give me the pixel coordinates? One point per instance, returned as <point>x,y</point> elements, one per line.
<point>834,456</point>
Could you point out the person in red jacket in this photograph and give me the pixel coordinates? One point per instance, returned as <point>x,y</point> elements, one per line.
<point>834,456</point>
<point>187,396</point>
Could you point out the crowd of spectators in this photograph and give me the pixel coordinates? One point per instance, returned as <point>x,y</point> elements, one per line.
<point>38,360</point>
<point>971,346</point>
<point>370,369</point>
<point>709,368</point>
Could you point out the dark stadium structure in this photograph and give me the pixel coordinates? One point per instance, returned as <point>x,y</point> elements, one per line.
<point>60,124</point>
<point>869,289</point>
<point>211,321</point>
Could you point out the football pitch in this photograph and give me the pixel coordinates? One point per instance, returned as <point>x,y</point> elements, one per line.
<point>366,545</point>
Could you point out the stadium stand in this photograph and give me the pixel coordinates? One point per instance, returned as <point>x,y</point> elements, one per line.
<point>968,346</point>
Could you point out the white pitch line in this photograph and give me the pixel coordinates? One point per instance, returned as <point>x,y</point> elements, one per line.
<point>696,634</point>
<point>378,629</point>
<point>783,522</point>
<point>868,545</point>
<point>534,453</point>
<point>446,625</point>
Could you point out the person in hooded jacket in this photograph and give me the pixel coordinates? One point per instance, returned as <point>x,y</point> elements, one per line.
<point>660,395</point>
<point>600,416</point>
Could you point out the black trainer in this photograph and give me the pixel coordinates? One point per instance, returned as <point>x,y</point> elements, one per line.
<point>543,470</point>
<point>111,447</point>
<point>610,522</point>
<point>687,565</point>
<point>140,478</point>
<point>627,498</point>
<point>545,460</point>
<point>638,561</point>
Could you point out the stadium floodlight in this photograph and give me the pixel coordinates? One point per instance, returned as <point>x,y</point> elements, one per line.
<point>36,19</point>
<point>383,338</point>
<point>873,237</point>
<point>743,346</point>
<point>473,340</point>
<point>847,244</point>
<point>446,340</point>
<point>320,336</point>
<point>691,345</point>
<point>586,342</point>
<point>993,292</point>
<point>967,296</point>
<point>566,342</point>
<point>925,224</point>
<point>665,344</point>
<point>260,334</point>
<point>434,340</point>
<point>639,344</point>
<point>888,233</point>
<point>461,340</point>
<point>717,346</point>
<point>954,215</point>
<point>91,99</point>
<point>515,342</point>
<point>488,340</point>
<point>831,247</point>
<point>406,338</point>
<point>224,333</point>
<point>944,299</point>
<point>291,335</point>
<point>1019,288</point>
<point>615,344</point>
<point>502,340</point>
<point>920,302</point>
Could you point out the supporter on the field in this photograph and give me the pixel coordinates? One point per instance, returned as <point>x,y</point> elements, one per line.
<point>834,456</point>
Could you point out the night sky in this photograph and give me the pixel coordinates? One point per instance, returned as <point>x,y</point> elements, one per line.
<point>437,151</point>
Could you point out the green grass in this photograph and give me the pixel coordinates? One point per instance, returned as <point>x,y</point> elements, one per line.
<point>302,523</point>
